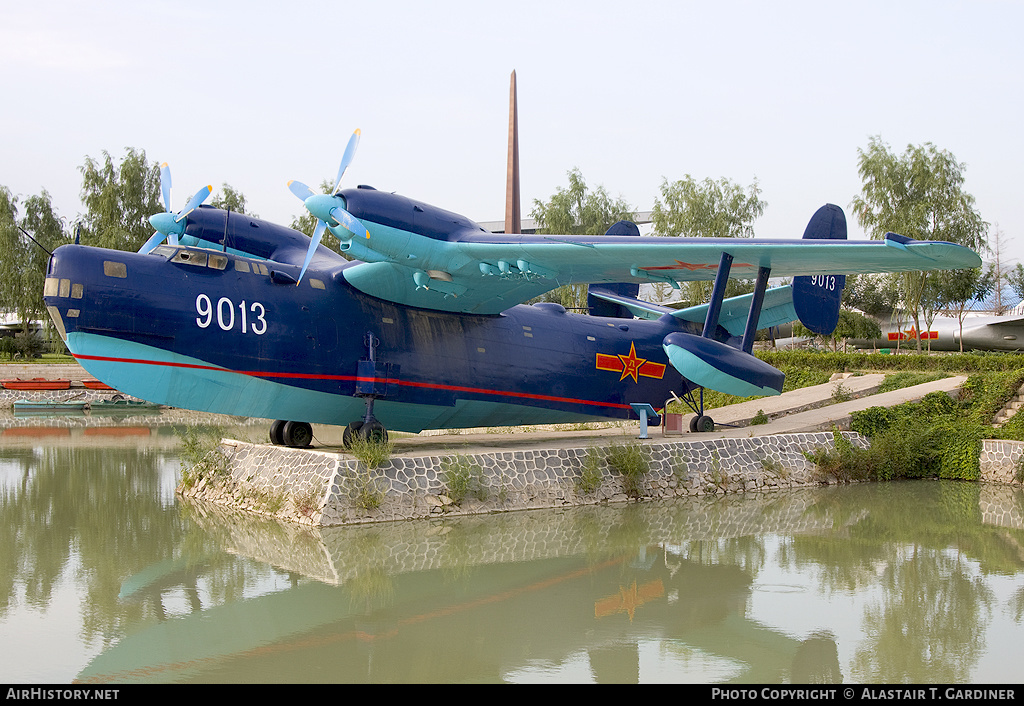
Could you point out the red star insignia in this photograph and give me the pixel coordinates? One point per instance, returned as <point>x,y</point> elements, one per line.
<point>631,364</point>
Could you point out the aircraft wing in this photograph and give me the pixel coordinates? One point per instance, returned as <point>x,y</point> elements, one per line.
<point>486,273</point>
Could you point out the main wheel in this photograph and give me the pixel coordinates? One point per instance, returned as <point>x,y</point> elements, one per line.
<point>693,423</point>
<point>277,433</point>
<point>374,432</point>
<point>350,433</point>
<point>297,434</point>
<point>705,424</point>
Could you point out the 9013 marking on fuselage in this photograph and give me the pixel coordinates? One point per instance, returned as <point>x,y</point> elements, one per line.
<point>224,313</point>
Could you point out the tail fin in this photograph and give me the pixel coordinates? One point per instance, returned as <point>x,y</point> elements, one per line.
<point>602,307</point>
<point>816,298</point>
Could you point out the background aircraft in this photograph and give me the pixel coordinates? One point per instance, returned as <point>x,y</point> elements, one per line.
<point>983,333</point>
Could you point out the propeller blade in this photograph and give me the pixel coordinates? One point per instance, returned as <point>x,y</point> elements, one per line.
<point>194,203</point>
<point>318,233</point>
<point>165,185</point>
<point>153,241</point>
<point>350,222</point>
<point>350,151</point>
<point>300,189</point>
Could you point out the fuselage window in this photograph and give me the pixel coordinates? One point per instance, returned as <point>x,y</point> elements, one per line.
<point>115,269</point>
<point>316,283</point>
<point>218,262</point>
<point>241,266</point>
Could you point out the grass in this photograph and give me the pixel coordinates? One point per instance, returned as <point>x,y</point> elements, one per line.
<point>462,478</point>
<point>200,454</point>
<point>373,454</point>
<point>591,474</point>
<point>628,459</point>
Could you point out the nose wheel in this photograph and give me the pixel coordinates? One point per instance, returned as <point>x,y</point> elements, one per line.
<point>297,435</point>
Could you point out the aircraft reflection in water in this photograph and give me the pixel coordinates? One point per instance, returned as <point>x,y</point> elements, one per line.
<point>489,599</point>
<point>224,313</point>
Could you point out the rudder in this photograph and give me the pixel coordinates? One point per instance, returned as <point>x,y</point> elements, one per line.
<point>816,298</point>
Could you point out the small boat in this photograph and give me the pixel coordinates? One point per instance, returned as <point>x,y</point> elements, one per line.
<point>35,384</point>
<point>119,404</point>
<point>94,384</point>
<point>50,406</point>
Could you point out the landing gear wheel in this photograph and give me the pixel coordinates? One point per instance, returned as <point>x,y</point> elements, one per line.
<point>374,432</point>
<point>277,433</point>
<point>350,433</point>
<point>693,423</point>
<point>297,434</point>
<point>705,424</point>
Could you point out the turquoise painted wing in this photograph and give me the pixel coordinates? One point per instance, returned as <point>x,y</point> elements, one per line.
<point>486,273</point>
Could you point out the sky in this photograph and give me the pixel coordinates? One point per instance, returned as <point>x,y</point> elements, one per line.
<point>254,94</point>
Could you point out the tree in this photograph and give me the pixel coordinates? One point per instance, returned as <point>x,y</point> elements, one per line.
<point>577,210</point>
<point>229,200</point>
<point>707,209</point>
<point>23,266</point>
<point>12,246</point>
<point>958,288</point>
<point>918,194</point>
<point>47,229</point>
<point>851,325</point>
<point>119,200</point>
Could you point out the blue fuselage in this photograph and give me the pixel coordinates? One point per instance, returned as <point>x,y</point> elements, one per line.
<point>208,330</point>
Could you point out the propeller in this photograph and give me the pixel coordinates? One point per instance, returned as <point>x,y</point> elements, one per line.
<point>170,225</point>
<point>329,208</point>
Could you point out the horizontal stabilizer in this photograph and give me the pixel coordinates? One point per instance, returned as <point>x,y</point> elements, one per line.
<point>776,310</point>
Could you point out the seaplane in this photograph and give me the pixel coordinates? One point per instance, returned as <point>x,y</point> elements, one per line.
<point>428,325</point>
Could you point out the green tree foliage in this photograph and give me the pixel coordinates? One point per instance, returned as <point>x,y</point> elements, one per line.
<point>119,200</point>
<point>229,199</point>
<point>851,325</point>
<point>578,210</point>
<point>13,248</point>
<point>918,194</point>
<point>959,288</point>
<point>46,227</point>
<point>707,209</point>
<point>23,265</point>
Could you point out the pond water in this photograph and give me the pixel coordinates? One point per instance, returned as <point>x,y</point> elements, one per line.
<point>106,576</point>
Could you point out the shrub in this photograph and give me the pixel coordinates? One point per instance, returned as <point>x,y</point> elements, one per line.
<point>590,476</point>
<point>462,477</point>
<point>630,461</point>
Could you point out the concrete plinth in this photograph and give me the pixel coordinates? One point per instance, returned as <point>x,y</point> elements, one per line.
<point>328,487</point>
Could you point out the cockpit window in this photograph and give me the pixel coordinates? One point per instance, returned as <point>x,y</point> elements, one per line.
<point>165,250</point>
<point>190,257</point>
<point>218,262</point>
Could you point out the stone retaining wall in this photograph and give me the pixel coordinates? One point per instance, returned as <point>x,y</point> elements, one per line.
<point>322,488</point>
<point>999,460</point>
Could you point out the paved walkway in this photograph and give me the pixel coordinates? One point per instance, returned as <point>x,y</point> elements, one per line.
<point>805,410</point>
